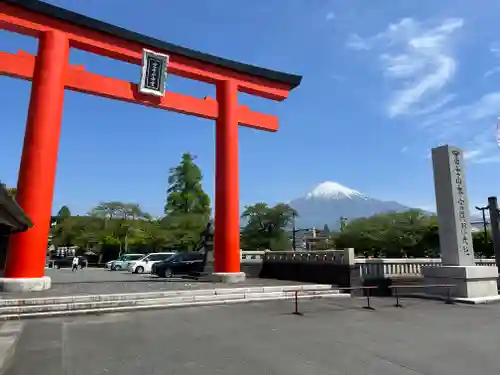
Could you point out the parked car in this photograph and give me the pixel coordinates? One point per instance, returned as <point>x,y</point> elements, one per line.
<point>122,262</point>
<point>144,264</point>
<point>186,264</point>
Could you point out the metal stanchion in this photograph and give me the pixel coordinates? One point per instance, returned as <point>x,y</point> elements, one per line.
<point>297,312</point>
<point>368,304</point>
<point>397,298</point>
<point>449,301</point>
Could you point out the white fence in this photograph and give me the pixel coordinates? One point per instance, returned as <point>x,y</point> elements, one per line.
<point>252,256</point>
<point>368,268</point>
<point>411,267</point>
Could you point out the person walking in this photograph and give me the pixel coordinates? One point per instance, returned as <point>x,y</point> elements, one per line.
<point>74,267</point>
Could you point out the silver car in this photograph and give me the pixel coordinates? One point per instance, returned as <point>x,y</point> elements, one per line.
<point>122,262</point>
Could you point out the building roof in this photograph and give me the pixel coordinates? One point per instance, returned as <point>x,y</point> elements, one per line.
<point>12,216</point>
<point>78,19</point>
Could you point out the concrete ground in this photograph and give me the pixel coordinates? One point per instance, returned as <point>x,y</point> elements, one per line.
<point>333,337</point>
<point>101,281</point>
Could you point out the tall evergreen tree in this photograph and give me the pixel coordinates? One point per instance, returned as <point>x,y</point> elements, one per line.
<point>63,213</point>
<point>187,210</point>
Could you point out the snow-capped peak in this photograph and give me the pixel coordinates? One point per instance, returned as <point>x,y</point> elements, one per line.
<point>334,190</point>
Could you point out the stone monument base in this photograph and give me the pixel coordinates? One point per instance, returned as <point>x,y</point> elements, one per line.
<point>19,285</point>
<point>228,277</point>
<point>475,284</point>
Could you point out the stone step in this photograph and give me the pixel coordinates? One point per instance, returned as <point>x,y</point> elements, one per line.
<point>158,294</point>
<point>152,301</point>
<point>100,307</point>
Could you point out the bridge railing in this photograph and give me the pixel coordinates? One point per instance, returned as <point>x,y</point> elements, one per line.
<point>344,256</point>
<point>404,267</point>
<point>368,268</point>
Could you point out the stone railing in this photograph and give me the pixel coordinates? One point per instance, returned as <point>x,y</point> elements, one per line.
<point>402,267</point>
<point>256,256</point>
<point>369,268</point>
<point>344,256</point>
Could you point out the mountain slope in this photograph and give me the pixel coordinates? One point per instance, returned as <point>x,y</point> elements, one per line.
<point>329,201</point>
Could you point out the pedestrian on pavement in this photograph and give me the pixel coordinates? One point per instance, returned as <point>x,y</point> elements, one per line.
<point>75,264</point>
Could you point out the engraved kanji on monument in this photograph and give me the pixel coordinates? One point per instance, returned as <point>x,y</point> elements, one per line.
<point>452,207</point>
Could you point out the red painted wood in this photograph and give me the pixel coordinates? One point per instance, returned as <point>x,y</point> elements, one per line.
<point>18,20</point>
<point>22,64</point>
<point>227,210</point>
<point>35,186</point>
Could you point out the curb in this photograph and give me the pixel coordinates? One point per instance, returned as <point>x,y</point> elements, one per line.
<point>160,294</point>
<point>103,310</point>
<point>10,332</point>
<point>454,300</point>
<point>112,303</point>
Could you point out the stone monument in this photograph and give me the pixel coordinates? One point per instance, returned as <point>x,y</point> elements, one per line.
<point>473,283</point>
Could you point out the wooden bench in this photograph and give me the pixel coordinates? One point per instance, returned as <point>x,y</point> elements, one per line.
<point>397,288</point>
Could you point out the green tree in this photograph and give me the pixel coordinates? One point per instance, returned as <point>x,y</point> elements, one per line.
<point>153,235</point>
<point>399,234</point>
<point>185,193</point>
<point>483,247</point>
<point>63,213</point>
<point>266,226</point>
<point>12,191</point>
<point>111,226</point>
<point>187,210</point>
<point>108,210</point>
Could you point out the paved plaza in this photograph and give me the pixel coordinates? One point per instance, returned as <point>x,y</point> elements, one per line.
<point>101,281</point>
<point>333,337</point>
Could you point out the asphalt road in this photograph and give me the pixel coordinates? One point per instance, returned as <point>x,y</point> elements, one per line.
<point>333,337</point>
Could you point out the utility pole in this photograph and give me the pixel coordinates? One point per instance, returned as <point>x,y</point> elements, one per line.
<point>495,230</point>
<point>294,245</point>
<point>343,221</point>
<point>483,211</point>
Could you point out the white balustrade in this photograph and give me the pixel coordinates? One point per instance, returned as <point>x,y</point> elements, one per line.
<point>369,268</point>
<point>252,256</point>
<point>402,267</point>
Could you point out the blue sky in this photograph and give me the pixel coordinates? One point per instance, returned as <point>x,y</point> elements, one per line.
<point>384,82</point>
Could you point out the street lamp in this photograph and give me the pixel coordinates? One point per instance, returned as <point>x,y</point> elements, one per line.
<point>295,231</point>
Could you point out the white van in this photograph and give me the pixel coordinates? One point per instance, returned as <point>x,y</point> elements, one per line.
<point>144,264</point>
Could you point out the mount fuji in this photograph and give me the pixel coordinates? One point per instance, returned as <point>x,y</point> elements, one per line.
<point>329,201</point>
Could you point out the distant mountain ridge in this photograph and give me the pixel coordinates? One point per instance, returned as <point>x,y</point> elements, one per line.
<point>329,201</point>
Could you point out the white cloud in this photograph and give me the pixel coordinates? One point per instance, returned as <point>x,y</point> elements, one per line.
<point>473,154</point>
<point>417,58</point>
<point>356,43</point>
<point>492,71</point>
<point>330,16</point>
<point>495,51</point>
<point>470,126</point>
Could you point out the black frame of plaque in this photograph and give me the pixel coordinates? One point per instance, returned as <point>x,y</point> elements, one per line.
<point>153,73</point>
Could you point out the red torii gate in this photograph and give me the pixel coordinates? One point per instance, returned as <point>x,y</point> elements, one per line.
<point>58,30</point>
